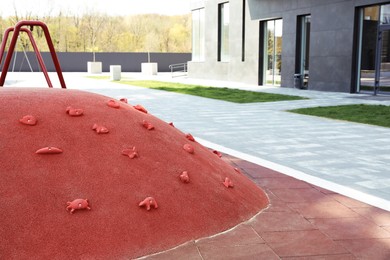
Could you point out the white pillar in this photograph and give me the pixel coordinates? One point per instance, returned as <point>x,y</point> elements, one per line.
<point>115,72</point>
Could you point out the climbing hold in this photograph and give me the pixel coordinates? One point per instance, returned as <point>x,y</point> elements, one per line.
<point>28,120</point>
<point>124,100</point>
<point>74,111</point>
<point>228,183</point>
<point>100,129</point>
<point>149,201</point>
<point>238,170</point>
<point>171,124</point>
<point>217,153</point>
<point>147,125</point>
<point>112,103</point>
<point>188,148</point>
<point>49,150</point>
<point>132,153</point>
<point>190,137</point>
<point>141,108</point>
<point>77,204</point>
<point>184,177</point>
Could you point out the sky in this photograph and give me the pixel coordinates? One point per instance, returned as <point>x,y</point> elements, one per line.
<point>110,7</point>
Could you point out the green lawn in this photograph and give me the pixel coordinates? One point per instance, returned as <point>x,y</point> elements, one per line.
<point>226,94</point>
<point>98,77</point>
<point>366,114</point>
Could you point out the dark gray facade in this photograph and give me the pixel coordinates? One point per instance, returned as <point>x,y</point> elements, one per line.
<point>332,41</point>
<point>77,61</point>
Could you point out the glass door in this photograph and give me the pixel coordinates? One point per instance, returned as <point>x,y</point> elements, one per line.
<point>273,52</point>
<point>374,50</point>
<point>382,77</point>
<point>305,48</point>
<point>382,72</point>
<point>369,20</point>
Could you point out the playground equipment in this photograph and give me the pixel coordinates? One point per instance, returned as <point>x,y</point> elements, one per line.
<point>85,176</point>
<point>16,31</point>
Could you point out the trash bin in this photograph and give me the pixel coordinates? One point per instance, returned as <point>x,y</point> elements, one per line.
<point>298,81</point>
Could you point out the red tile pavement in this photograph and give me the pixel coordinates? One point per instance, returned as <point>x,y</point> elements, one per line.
<point>302,222</point>
<point>302,243</point>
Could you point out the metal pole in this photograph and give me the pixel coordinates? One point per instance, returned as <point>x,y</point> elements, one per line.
<point>17,29</point>
<point>39,56</point>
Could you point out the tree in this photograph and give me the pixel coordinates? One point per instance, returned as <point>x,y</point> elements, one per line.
<point>96,32</point>
<point>94,23</point>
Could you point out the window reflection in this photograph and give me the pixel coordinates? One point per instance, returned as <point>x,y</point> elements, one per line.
<point>198,34</point>
<point>223,35</point>
<point>273,49</point>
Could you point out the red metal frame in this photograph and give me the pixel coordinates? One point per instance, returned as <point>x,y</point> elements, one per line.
<point>36,50</point>
<point>17,29</point>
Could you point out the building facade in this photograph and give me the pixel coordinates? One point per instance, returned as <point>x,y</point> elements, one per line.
<point>325,45</point>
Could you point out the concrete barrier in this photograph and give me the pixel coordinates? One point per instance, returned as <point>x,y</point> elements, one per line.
<point>115,72</point>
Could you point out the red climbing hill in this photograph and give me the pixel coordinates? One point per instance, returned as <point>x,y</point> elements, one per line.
<point>67,150</point>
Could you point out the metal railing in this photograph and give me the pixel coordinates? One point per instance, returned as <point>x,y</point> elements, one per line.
<point>178,69</point>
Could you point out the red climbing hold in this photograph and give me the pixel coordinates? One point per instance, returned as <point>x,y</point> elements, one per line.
<point>28,120</point>
<point>171,124</point>
<point>149,201</point>
<point>141,108</point>
<point>184,177</point>
<point>112,103</point>
<point>238,170</point>
<point>77,204</point>
<point>147,125</point>
<point>100,129</point>
<point>124,100</point>
<point>74,111</point>
<point>49,150</point>
<point>190,137</point>
<point>188,148</point>
<point>132,153</point>
<point>228,183</point>
<point>217,153</point>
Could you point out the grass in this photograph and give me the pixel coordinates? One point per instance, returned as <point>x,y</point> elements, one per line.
<point>367,114</point>
<point>371,88</point>
<point>226,94</point>
<point>98,77</point>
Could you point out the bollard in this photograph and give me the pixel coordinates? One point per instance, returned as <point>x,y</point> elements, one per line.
<point>115,72</point>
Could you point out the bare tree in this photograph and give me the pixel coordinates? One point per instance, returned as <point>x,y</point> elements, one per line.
<point>94,23</point>
<point>95,32</point>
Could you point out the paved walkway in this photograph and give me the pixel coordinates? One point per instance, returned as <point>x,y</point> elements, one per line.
<point>348,158</point>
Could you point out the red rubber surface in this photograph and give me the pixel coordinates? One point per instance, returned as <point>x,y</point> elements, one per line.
<point>35,188</point>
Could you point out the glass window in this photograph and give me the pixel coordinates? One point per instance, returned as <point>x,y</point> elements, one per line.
<point>273,51</point>
<point>243,30</point>
<point>303,43</point>
<point>385,14</point>
<point>367,47</point>
<point>198,35</point>
<point>373,49</point>
<point>223,32</point>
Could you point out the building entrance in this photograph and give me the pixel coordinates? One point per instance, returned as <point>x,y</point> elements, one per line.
<point>382,75</point>
<point>303,50</point>
<point>374,50</point>
<point>271,48</point>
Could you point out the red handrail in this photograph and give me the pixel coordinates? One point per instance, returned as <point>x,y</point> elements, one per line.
<point>17,29</point>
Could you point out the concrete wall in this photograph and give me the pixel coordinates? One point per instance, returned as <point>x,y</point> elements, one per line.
<point>331,42</point>
<point>77,61</point>
<point>236,69</point>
